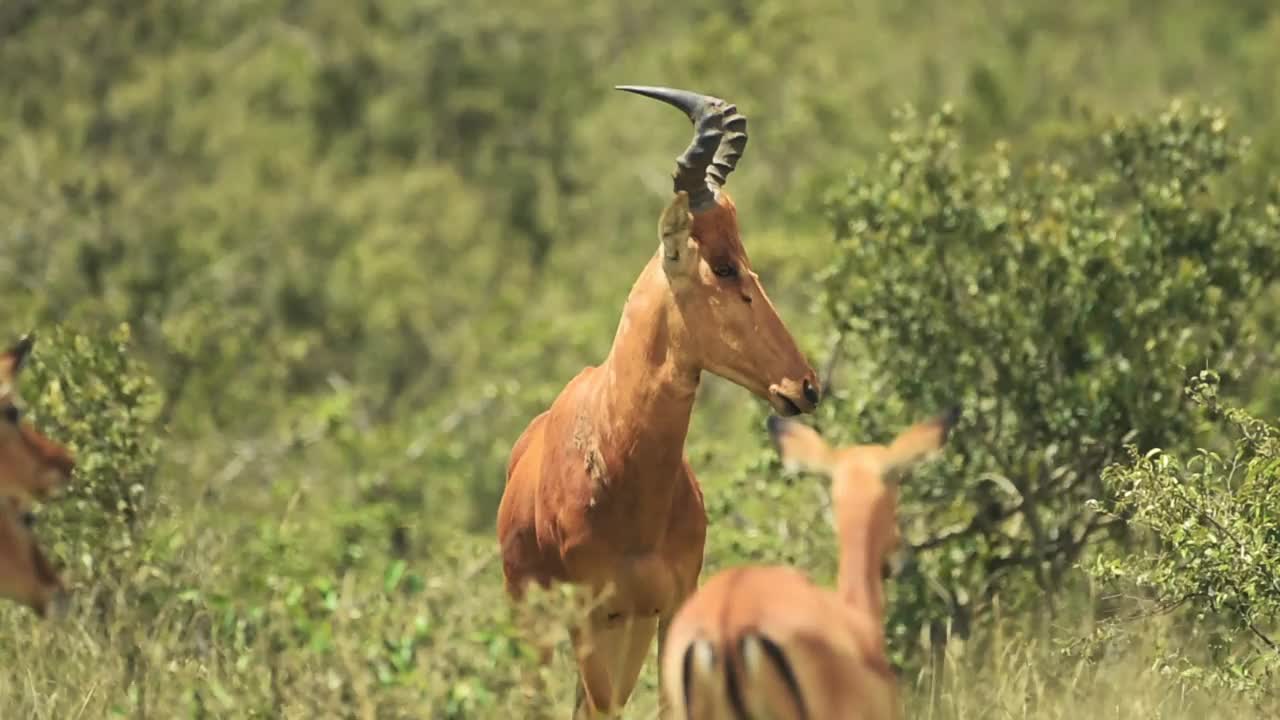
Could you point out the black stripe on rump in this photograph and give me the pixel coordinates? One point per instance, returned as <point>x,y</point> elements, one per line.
<point>779,659</point>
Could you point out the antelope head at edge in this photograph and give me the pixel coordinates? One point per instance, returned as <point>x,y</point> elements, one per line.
<point>32,467</point>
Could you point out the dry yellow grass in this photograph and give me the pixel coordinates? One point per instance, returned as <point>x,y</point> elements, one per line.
<point>471,656</point>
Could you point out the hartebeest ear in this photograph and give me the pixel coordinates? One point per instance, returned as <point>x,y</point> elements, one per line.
<point>673,229</point>
<point>800,446</point>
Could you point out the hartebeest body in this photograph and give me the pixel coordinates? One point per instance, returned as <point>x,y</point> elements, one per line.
<point>765,641</point>
<point>31,467</point>
<point>599,492</point>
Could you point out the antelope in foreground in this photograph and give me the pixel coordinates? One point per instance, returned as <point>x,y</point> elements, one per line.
<point>763,642</point>
<point>599,492</point>
<point>31,467</point>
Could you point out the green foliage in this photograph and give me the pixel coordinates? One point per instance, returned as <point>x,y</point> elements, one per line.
<point>91,395</point>
<point>1059,298</point>
<point>1214,528</point>
<point>359,245</point>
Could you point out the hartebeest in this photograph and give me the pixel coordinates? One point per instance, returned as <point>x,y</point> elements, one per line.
<point>765,641</point>
<point>599,492</point>
<point>31,467</point>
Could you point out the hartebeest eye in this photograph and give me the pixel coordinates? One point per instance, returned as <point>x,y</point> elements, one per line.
<point>725,271</point>
<point>28,519</point>
<point>11,414</point>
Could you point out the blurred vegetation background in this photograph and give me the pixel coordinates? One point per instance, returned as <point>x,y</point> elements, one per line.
<point>303,271</point>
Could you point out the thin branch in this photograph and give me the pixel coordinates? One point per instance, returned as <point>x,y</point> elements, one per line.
<point>1163,607</point>
<point>828,370</point>
<point>981,522</point>
<point>1203,513</point>
<point>1263,637</point>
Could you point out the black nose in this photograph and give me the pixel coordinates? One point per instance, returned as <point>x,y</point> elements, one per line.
<point>810,392</point>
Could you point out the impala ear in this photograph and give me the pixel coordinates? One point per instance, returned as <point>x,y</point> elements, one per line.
<point>800,446</point>
<point>921,440</point>
<point>674,228</point>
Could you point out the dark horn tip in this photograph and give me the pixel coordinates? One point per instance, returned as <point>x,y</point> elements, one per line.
<point>652,91</point>
<point>691,103</point>
<point>643,89</point>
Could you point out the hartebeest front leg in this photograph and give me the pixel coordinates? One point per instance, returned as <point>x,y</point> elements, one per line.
<point>610,653</point>
<point>581,706</point>
<point>581,709</point>
<point>664,625</point>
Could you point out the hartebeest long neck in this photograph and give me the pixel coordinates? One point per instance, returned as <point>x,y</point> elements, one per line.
<point>649,381</point>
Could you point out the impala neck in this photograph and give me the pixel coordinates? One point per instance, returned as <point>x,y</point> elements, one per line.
<point>650,379</point>
<point>862,528</point>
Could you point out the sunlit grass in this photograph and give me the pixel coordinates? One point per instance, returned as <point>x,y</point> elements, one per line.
<point>451,646</point>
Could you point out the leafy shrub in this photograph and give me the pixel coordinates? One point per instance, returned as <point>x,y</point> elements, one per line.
<point>1060,299</point>
<point>89,393</point>
<point>1213,524</point>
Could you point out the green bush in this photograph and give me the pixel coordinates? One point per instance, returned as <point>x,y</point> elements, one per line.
<point>90,394</point>
<point>1212,523</point>
<point>1061,299</point>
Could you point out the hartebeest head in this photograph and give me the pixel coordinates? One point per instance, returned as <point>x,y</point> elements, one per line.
<point>732,328</point>
<point>31,467</point>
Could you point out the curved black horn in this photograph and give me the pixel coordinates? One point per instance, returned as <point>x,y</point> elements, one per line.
<point>731,146</point>
<point>707,115</point>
